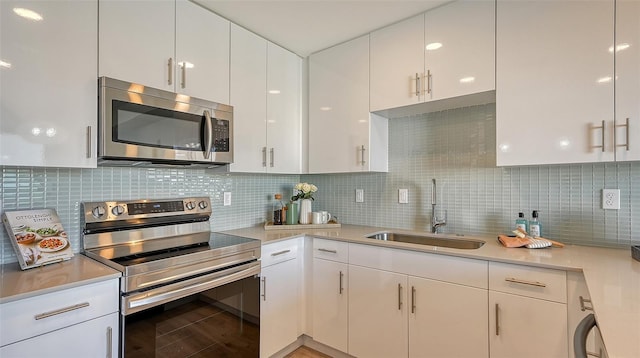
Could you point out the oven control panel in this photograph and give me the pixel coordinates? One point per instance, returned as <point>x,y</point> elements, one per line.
<point>132,209</point>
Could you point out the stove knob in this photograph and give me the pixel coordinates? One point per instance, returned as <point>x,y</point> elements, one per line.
<point>117,210</point>
<point>98,212</point>
<point>191,205</point>
<point>203,205</point>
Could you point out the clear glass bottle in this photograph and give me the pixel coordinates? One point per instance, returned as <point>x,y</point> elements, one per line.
<point>535,226</point>
<point>522,223</point>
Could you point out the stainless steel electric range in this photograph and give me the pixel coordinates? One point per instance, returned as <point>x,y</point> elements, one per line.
<point>185,291</point>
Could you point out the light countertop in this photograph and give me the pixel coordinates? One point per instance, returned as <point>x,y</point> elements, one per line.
<point>612,276</point>
<point>16,284</point>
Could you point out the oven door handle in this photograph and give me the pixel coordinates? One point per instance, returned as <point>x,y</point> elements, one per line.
<point>208,134</point>
<point>155,297</point>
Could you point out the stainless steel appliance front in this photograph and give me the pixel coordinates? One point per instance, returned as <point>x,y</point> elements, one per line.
<point>184,290</point>
<point>142,125</point>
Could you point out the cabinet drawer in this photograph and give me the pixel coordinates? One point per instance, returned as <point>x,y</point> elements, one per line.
<point>536,282</point>
<point>279,252</point>
<point>45,313</point>
<point>460,270</point>
<point>331,250</point>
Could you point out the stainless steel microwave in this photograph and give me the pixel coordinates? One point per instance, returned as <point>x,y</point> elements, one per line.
<point>139,125</point>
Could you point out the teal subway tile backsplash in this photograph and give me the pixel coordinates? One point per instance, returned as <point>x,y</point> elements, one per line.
<point>456,147</point>
<point>64,190</point>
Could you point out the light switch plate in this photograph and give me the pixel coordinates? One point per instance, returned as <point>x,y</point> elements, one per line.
<point>611,199</point>
<point>403,196</point>
<point>359,195</point>
<point>227,198</point>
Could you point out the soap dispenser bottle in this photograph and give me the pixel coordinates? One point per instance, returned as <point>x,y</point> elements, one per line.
<point>522,223</point>
<point>535,226</point>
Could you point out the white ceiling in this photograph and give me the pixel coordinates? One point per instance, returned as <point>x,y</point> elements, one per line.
<point>308,26</point>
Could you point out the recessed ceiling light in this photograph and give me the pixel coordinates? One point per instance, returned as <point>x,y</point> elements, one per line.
<point>27,14</point>
<point>433,46</point>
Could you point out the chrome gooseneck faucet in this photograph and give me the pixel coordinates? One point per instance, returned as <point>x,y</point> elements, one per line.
<point>435,222</point>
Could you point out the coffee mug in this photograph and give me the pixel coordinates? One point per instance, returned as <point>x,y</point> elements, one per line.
<point>326,216</point>
<point>316,217</point>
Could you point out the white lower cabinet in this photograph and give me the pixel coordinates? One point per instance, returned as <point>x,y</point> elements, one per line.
<point>377,313</point>
<point>441,314</point>
<point>75,322</point>
<point>95,338</point>
<point>416,316</point>
<point>330,293</point>
<point>528,311</point>
<point>279,296</point>
<point>526,327</point>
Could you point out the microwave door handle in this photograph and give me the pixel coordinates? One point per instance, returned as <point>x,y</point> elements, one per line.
<point>208,135</point>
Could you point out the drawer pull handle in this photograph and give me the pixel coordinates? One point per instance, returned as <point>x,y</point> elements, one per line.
<point>60,311</point>
<point>400,297</point>
<point>497,319</point>
<point>329,251</point>
<point>341,278</point>
<point>280,252</point>
<point>413,299</point>
<point>523,282</point>
<point>582,304</point>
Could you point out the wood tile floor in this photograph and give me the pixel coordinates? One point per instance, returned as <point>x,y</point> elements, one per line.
<point>306,352</point>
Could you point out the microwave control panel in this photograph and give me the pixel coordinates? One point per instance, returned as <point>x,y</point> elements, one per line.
<point>221,134</point>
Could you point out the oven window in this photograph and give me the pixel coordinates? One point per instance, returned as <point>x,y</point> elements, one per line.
<point>156,127</point>
<point>222,322</point>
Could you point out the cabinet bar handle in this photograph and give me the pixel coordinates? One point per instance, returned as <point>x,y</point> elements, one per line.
<point>264,289</point>
<point>583,307</point>
<point>417,85</point>
<point>109,342</point>
<point>264,157</point>
<point>60,311</point>
<point>170,66</point>
<point>413,299</point>
<point>428,81</point>
<point>601,127</point>
<point>280,252</point>
<point>183,83</point>
<point>497,319</point>
<point>327,250</point>
<point>89,141</point>
<point>362,149</point>
<point>626,144</point>
<point>523,282</point>
<point>341,288</point>
<point>399,296</point>
<point>271,154</point>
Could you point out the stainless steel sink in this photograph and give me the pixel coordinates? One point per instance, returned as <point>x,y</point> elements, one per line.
<point>429,239</point>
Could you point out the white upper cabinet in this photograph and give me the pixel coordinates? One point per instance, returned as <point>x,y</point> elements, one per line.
<point>137,42</point>
<point>172,45</point>
<point>343,135</point>
<point>48,81</point>
<point>446,52</point>
<point>397,64</point>
<point>202,53</point>
<point>283,110</point>
<point>265,94</point>
<point>627,55</point>
<point>459,49</point>
<point>554,83</point>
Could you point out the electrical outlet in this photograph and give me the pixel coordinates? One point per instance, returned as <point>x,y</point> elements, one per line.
<point>359,195</point>
<point>611,199</point>
<point>403,196</point>
<point>227,198</point>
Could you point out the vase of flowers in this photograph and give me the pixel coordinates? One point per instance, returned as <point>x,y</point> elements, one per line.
<point>304,192</point>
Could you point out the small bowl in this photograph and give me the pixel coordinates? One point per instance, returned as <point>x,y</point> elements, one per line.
<point>27,238</point>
